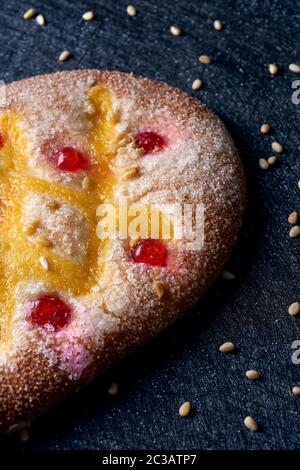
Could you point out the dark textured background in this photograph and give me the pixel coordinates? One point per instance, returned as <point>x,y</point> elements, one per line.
<point>184,362</point>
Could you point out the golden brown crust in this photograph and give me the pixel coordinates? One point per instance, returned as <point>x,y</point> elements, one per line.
<point>203,167</point>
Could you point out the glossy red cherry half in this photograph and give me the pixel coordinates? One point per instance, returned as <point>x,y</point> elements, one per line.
<point>69,159</point>
<point>1,140</point>
<point>50,313</point>
<point>150,141</point>
<point>150,251</point>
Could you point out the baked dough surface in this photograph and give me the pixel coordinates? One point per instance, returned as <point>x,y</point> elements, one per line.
<point>114,302</point>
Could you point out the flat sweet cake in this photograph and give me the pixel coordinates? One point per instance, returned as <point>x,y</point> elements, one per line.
<point>72,146</point>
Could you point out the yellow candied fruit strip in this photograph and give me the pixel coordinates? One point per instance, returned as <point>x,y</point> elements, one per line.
<point>19,259</point>
<point>101,138</point>
<point>14,153</point>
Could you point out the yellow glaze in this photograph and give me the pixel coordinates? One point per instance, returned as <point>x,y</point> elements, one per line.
<point>19,259</point>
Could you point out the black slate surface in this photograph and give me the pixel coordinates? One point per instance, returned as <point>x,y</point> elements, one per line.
<point>184,362</point>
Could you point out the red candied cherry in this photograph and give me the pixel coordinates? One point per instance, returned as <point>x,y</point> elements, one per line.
<point>69,159</point>
<point>150,251</point>
<point>50,313</point>
<point>150,141</point>
<point>1,140</point>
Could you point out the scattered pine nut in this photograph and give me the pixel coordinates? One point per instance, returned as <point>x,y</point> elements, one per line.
<point>44,263</point>
<point>24,435</point>
<point>131,10</point>
<point>227,347</point>
<point>253,374</point>
<point>218,25</point>
<point>18,426</point>
<point>64,55</point>
<point>294,68</point>
<point>29,14</point>
<point>40,19</point>
<point>277,147</point>
<point>273,69</point>
<point>42,241</point>
<point>251,424</point>
<point>31,228</point>
<point>175,30</point>
<point>294,309</point>
<point>88,16</point>
<point>185,409</point>
<point>295,231</point>
<point>113,389</point>
<point>86,183</point>
<point>296,391</point>
<point>130,173</point>
<point>228,276</point>
<point>159,288</point>
<point>197,84</point>
<point>263,163</point>
<point>293,217</point>
<point>271,160</point>
<point>298,184</point>
<point>265,128</point>
<point>204,59</point>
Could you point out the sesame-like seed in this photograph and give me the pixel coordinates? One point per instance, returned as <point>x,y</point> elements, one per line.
<point>197,84</point>
<point>31,228</point>
<point>295,231</point>
<point>253,374</point>
<point>265,128</point>
<point>273,69</point>
<point>64,55</point>
<point>277,147</point>
<point>271,160</point>
<point>130,173</point>
<point>294,68</point>
<point>40,19</point>
<point>44,263</point>
<point>131,10</point>
<point>88,16</point>
<point>227,347</point>
<point>42,241</point>
<point>293,217</point>
<point>263,163</point>
<point>24,435</point>
<point>251,424</point>
<point>298,184</point>
<point>86,183</point>
<point>113,389</point>
<point>175,30</point>
<point>294,309</point>
<point>29,14</point>
<point>296,391</point>
<point>228,276</point>
<point>218,25</point>
<point>159,288</point>
<point>204,59</point>
<point>185,409</point>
